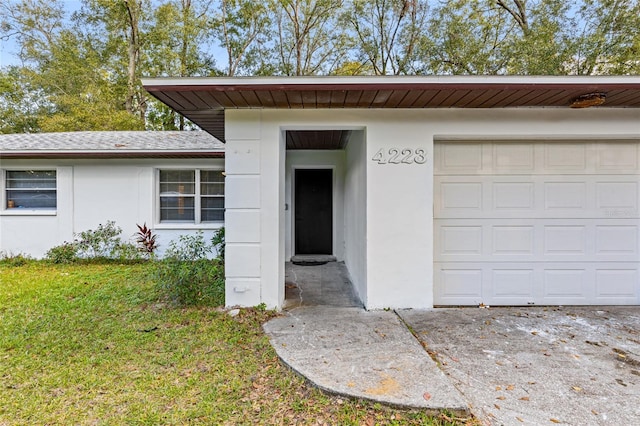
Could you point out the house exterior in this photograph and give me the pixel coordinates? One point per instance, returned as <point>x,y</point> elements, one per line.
<point>434,191</point>
<point>54,185</point>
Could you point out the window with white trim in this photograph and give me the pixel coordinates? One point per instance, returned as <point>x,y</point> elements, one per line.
<point>30,189</point>
<point>191,196</point>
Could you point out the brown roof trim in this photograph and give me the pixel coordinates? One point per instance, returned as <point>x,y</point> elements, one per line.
<point>204,99</point>
<point>108,155</point>
<point>387,86</point>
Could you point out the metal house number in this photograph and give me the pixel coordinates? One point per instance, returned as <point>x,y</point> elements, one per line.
<point>400,156</point>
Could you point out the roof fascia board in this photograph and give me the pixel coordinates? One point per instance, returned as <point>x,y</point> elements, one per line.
<point>109,154</point>
<point>382,82</point>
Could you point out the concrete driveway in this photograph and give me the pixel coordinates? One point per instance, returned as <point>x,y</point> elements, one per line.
<point>556,365</point>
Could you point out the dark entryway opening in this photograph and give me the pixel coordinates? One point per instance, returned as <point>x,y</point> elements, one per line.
<point>313,211</point>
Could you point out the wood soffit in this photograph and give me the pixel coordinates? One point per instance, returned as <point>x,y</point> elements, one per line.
<point>204,101</point>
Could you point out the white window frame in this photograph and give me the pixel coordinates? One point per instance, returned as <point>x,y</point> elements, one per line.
<point>5,211</point>
<point>197,222</point>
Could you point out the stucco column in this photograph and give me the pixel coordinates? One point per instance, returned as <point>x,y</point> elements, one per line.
<point>254,190</point>
<point>242,205</point>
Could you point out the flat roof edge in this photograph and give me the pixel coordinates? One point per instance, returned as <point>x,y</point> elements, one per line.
<point>391,81</point>
<point>109,154</point>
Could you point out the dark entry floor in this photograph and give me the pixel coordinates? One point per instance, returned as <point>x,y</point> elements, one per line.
<point>319,285</point>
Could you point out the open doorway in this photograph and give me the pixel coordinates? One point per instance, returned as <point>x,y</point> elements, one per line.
<point>313,213</point>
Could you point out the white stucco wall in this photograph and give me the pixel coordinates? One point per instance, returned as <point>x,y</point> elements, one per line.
<point>398,268</point>
<point>91,192</point>
<point>355,212</point>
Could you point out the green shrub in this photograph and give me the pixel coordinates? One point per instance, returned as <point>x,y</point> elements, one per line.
<point>218,243</point>
<point>125,251</point>
<point>187,277</point>
<point>11,259</point>
<point>101,242</point>
<point>64,253</point>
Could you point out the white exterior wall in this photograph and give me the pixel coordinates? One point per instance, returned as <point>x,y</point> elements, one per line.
<point>92,192</point>
<point>398,268</point>
<point>355,212</point>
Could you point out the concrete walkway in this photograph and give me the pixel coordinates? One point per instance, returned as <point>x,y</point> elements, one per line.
<point>319,285</point>
<point>326,336</point>
<point>371,355</point>
<point>506,366</point>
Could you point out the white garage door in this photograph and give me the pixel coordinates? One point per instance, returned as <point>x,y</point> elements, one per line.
<point>545,223</point>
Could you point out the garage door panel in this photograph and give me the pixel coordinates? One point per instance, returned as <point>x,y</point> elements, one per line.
<point>541,197</point>
<point>511,285</point>
<point>565,196</point>
<point>565,157</point>
<point>617,196</point>
<point>512,240</point>
<point>567,284</point>
<point>460,285</point>
<point>523,223</point>
<point>535,157</point>
<point>461,196</point>
<point>459,240</point>
<point>512,196</point>
<point>459,157</point>
<point>537,283</point>
<point>514,157</point>
<point>563,240</point>
<point>617,240</point>
<point>528,240</point>
<point>620,157</point>
<point>617,285</point>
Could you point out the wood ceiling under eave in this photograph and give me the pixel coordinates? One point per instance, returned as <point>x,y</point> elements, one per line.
<point>317,139</point>
<point>204,104</point>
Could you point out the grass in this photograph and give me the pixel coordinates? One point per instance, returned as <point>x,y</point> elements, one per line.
<point>95,344</point>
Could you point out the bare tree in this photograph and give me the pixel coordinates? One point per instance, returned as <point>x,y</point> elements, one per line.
<point>388,32</point>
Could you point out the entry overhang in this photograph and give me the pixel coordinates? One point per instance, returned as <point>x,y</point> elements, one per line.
<point>204,99</point>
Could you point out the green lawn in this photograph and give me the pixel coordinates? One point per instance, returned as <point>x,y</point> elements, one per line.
<point>94,344</point>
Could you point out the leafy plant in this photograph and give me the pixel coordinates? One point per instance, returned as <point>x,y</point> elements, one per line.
<point>101,242</point>
<point>11,259</point>
<point>187,276</point>
<point>146,239</point>
<point>218,243</point>
<point>126,251</point>
<point>64,253</point>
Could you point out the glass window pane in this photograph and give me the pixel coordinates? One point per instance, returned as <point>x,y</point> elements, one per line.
<point>212,209</point>
<point>179,209</point>
<point>171,188</point>
<point>211,182</point>
<point>212,176</point>
<point>31,189</point>
<point>212,188</point>
<point>174,182</point>
<point>31,199</point>
<point>31,179</point>
<point>177,176</point>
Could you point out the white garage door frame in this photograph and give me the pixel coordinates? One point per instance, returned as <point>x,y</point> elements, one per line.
<point>551,222</point>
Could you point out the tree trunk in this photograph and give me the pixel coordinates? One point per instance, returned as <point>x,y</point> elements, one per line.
<point>133,8</point>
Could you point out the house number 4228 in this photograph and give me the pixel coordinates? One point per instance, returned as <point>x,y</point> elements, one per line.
<point>400,156</point>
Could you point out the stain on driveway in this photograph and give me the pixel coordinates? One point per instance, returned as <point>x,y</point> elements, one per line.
<point>555,365</point>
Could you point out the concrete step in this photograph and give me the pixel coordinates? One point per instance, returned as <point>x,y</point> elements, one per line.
<point>312,259</point>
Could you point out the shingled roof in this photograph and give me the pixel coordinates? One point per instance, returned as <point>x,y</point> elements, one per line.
<point>116,144</point>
